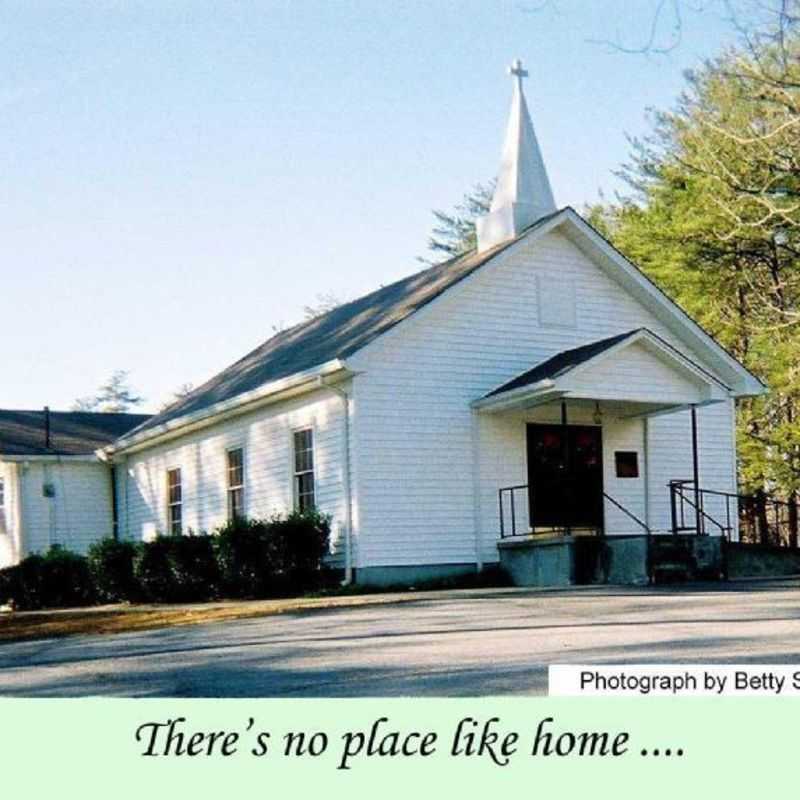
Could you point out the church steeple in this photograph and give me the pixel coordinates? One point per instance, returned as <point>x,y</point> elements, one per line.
<point>523,194</point>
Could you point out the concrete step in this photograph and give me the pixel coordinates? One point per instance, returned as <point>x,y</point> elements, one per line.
<point>672,559</point>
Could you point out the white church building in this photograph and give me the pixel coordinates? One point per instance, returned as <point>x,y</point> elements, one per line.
<point>540,389</point>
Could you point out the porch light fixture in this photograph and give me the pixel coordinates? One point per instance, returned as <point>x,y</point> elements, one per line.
<point>598,413</point>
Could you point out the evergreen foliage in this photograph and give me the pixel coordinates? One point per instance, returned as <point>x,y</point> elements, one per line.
<point>713,216</point>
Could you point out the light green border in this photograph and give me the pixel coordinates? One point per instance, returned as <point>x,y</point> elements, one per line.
<point>86,748</point>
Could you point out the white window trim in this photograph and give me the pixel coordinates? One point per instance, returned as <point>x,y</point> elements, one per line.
<point>564,284</point>
<point>169,505</point>
<point>311,426</point>
<point>229,449</point>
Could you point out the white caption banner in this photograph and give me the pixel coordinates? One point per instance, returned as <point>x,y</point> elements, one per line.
<point>689,680</point>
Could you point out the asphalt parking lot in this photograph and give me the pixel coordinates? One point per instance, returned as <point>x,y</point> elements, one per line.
<point>466,643</point>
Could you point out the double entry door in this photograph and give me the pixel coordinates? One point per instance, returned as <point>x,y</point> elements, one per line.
<point>565,476</point>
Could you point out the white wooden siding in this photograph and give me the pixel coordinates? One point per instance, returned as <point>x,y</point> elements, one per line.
<point>10,544</point>
<point>634,373</point>
<point>414,456</point>
<point>670,446</point>
<point>78,514</point>
<point>626,435</point>
<point>266,437</point>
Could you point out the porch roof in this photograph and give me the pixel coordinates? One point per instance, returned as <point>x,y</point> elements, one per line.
<point>636,367</point>
<point>562,362</point>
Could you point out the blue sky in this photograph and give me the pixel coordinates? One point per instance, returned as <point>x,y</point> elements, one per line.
<point>179,177</point>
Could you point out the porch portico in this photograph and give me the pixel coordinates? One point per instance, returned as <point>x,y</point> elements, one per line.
<point>579,458</point>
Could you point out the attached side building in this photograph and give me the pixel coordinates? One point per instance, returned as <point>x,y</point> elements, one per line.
<point>54,490</point>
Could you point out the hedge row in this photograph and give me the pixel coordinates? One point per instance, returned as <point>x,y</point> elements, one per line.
<point>244,559</point>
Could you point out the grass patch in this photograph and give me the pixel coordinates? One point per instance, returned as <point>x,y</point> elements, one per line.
<point>124,618</point>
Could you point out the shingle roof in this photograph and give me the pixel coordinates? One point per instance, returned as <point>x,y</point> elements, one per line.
<point>562,362</point>
<point>337,334</point>
<point>350,327</point>
<point>72,433</point>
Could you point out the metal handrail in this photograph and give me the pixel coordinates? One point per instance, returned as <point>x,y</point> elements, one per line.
<point>678,488</point>
<point>509,490</point>
<point>761,517</point>
<point>629,513</point>
<point>764,518</point>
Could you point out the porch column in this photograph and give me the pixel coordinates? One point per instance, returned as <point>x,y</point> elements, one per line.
<point>475,436</point>
<point>565,456</point>
<point>646,458</point>
<point>696,473</point>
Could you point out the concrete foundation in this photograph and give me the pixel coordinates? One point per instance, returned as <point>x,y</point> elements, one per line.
<point>760,561</point>
<point>544,562</point>
<point>620,560</point>
<point>569,560</point>
<point>625,560</point>
<point>708,557</point>
<point>686,557</point>
<point>412,575</point>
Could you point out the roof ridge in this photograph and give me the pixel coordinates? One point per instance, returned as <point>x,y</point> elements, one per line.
<point>72,433</point>
<point>460,263</point>
<point>385,287</point>
<point>336,334</point>
<point>303,324</point>
<point>53,411</point>
<point>449,262</point>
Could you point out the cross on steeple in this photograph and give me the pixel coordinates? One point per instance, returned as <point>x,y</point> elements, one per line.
<point>522,194</point>
<point>518,72</point>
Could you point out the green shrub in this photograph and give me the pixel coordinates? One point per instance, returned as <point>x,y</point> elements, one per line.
<point>194,568</point>
<point>9,585</point>
<point>268,558</point>
<point>111,567</point>
<point>246,558</point>
<point>299,542</point>
<point>29,583</point>
<point>66,581</point>
<point>176,569</point>
<point>241,549</point>
<point>151,569</point>
<point>57,579</point>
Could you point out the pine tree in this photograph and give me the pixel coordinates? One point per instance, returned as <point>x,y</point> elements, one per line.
<point>453,233</point>
<point>114,396</point>
<point>714,217</point>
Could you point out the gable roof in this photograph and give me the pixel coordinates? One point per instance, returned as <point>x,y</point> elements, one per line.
<point>72,433</point>
<point>563,362</point>
<point>352,326</point>
<point>337,334</point>
<point>593,371</point>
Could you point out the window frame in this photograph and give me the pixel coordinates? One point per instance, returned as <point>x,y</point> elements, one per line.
<point>231,488</point>
<point>297,503</point>
<point>172,504</point>
<point>2,504</point>
<point>557,300</point>
<point>626,465</point>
